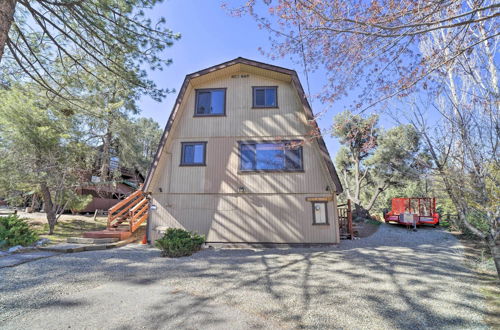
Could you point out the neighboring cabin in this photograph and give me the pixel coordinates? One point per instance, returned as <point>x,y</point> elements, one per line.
<point>237,163</point>
<point>107,194</point>
<point>120,182</point>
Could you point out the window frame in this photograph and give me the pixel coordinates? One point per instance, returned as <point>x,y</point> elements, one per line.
<point>197,91</point>
<point>255,106</point>
<point>204,143</point>
<point>243,171</point>
<point>327,222</point>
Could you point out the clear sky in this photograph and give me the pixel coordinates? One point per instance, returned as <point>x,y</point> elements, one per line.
<point>210,36</point>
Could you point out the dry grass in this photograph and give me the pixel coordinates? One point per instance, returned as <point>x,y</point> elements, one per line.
<point>67,226</point>
<point>478,258</point>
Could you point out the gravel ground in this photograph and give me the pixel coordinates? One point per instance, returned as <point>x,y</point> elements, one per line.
<point>392,279</point>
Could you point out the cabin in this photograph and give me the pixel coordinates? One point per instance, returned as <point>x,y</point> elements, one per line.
<point>122,182</point>
<point>241,160</point>
<point>107,194</point>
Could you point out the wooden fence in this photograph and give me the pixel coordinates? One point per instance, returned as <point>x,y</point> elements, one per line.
<point>345,220</point>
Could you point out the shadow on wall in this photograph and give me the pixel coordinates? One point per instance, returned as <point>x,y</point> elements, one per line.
<point>248,217</point>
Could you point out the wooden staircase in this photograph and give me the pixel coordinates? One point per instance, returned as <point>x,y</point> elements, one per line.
<point>124,218</point>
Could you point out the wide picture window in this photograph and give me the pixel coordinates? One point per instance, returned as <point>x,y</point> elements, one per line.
<point>283,156</point>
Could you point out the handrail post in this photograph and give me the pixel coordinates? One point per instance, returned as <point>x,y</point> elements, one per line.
<point>349,218</point>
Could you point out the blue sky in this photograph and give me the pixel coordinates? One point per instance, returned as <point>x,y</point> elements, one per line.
<point>210,36</point>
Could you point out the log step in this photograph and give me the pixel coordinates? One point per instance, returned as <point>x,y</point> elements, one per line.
<point>83,240</point>
<point>121,235</point>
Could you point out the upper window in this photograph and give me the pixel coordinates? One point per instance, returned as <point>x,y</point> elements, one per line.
<point>283,156</point>
<point>193,153</point>
<point>265,97</point>
<point>210,102</point>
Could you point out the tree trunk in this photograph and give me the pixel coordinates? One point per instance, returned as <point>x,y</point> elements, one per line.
<point>49,207</point>
<point>34,202</point>
<point>374,198</point>
<point>7,9</point>
<point>105,156</point>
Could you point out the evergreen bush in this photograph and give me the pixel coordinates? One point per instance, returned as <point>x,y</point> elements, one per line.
<point>179,242</point>
<point>16,231</point>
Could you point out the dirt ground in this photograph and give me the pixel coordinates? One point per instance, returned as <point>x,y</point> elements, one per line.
<point>366,228</point>
<point>41,218</point>
<point>393,279</point>
<point>477,257</point>
<point>69,225</point>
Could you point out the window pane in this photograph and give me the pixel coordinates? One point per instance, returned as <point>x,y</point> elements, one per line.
<point>199,153</point>
<point>217,102</point>
<point>193,153</point>
<point>294,159</point>
<point>271,97</point>
<point>270,156</point>
<point>247,156</point>
<point>260,97</point>
<point>203,103</point>
<point>188,154</point>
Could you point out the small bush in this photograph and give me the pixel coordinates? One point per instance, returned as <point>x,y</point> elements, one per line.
<point>178,242</point>
<point>16,231</point>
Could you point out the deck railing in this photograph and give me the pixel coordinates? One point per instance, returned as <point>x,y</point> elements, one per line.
<point>345,220</point>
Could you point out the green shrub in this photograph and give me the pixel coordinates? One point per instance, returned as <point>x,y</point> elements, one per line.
<point>16,231</point>
<point>178,242</point>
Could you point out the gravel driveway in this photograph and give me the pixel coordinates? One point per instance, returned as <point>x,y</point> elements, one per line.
<point>392,279</point>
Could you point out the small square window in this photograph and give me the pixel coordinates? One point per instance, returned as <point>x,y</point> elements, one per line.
<point>210,102</point>
<point>320,213</point>
<point>265,97</point>
<point>193,153</point>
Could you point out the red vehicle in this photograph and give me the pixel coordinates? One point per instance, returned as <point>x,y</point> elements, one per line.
<point>422,209</point>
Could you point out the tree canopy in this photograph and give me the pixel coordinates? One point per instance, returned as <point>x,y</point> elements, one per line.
<point>115,35</point>
<point>371,47</point>
<point>372,159</point>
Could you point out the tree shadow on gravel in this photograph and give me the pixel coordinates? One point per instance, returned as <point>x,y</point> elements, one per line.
<point>392,284</point>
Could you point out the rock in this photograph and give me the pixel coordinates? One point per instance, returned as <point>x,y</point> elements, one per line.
<point>16,248</point>
<point>205,246</point>
<point>42,242</point>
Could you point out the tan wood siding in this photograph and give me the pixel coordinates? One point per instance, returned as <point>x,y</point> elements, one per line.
<point>221,175</point>
<point>241,119</point>
<point>205,199</point>
<point>274,218</point>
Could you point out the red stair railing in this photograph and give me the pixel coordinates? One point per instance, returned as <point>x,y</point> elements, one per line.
<point>133,209</point>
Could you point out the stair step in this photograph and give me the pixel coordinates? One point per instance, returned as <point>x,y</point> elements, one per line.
<point>121,235</point>
<point>121,228</point>
<point>83,240</point>
<point>70,248</point>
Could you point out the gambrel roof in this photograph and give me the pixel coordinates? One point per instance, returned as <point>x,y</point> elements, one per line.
<point>325,156</point>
